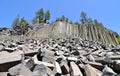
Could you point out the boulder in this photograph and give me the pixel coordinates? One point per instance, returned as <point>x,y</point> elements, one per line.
<point>9,49</point>
<point>49,71</point>
<point>75,71</point>
<point>15,70</point>
<point>30,63</point>
<point>65,69</point>
<point>3,74</point>
<point>24,71</point>
<point>1,47</point>
<point>72,59</point>
<point>40,62</point>
<point>90,71</point>
<point>40,70</point>
<point>108,71</point>
<point>57,69</point>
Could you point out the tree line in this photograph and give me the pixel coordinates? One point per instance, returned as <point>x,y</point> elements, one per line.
<point>21,25</point>
<point>43,17</point>
<point>40,17</point>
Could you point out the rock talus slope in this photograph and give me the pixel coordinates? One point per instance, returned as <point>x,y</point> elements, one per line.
<point>59,57</point>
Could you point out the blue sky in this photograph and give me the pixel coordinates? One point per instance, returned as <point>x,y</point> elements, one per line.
<point>105,11</point>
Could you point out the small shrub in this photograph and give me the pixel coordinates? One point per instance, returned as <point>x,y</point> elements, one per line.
<point>118,38</point>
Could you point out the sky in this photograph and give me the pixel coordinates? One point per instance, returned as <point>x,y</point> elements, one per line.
<point>105,11</point>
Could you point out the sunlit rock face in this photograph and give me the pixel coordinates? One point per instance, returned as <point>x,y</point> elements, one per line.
<point>67,30</point>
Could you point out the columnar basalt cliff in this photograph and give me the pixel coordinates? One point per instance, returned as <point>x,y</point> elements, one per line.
<point>67,30</point>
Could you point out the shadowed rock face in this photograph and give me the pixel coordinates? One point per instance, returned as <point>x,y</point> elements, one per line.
<point>86,32</point>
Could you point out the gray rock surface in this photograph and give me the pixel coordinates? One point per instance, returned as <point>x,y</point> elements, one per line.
<point>86,32</point>
<point>15,70</point>
<point>60,57</point>
<point>40,70</point>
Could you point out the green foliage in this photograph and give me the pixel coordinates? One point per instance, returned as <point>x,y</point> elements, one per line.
<point>23,22</point>
<point>20,26</point>
<point>58,19</point>
<point>77,23</point>
<point>63,19</point>
<point>98,24</point>
<point>101,25</point>
<point>90,22</point>
<point>118,38</point>
<point>19,22</point>
<point>16,22</point>
<point>34,20</point>
<point>47,16</point>
<point>84,18</point>
<point>71,22</point>
<point>40,15</point>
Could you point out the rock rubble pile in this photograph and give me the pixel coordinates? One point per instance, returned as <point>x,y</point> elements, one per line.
<point>58,57</point>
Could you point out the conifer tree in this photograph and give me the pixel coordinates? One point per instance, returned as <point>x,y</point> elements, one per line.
<point>40,15</point>
<point>47,16</point>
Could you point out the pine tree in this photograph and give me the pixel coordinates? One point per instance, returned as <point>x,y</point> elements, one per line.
<point>24,26</point>
<point>16,21</point>
<point>96,22</point>
<point>23,22</point>
<point>118,38</point>
<point>34,20</point>
<point>47,16</point>
<point>84,18</point>
<point>40,15</point>
<point>90,22</point>
<point>63,19</point>
<point>77,23</point>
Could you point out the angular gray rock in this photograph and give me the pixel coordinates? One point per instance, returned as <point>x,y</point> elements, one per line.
<point>65,69</point>
<point>57,70</point>
<point>15,70</point>
<point>75,71</point>
<point>24,71</point>
<point>3,73</point>
<point>1,47</point>
<point>40,70</point>
<point>90,71</point>
<point>61,57</point>
<point>108,71</point>
<point>30,63</point>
